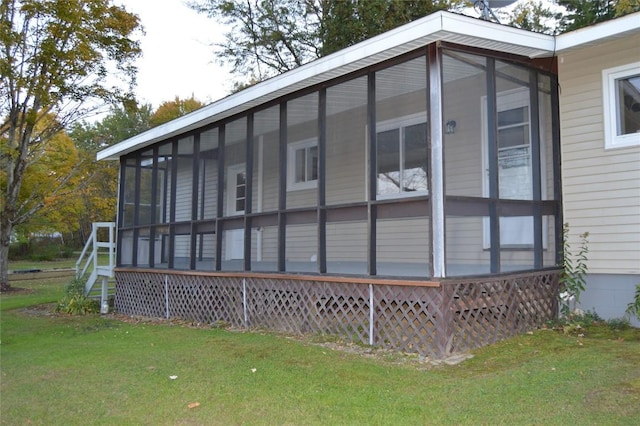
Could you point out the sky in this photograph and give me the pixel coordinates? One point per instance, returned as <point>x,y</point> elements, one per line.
<point>177,59</point>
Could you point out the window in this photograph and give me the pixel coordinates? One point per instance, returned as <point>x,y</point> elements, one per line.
<point>621,95</point>
<point>302,165</point>
<point>402,157</point>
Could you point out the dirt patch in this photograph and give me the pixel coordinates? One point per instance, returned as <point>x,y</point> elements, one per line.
<point>42,310</point>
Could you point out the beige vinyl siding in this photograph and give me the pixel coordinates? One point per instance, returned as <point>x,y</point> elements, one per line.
<point>601,188</point>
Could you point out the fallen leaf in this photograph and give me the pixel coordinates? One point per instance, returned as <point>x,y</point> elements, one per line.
<point>194,405</point>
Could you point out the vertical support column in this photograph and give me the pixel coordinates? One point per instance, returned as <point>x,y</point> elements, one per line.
<point>154,202</point>
<point>120,217</point>
<point>172,208</point>
<point>445,328</point>
<point>248,199</point>
<point>322,181</point>
<point>492,150</point>
<point>557,175</point>
<point>372,213</point>
<point>536,168</point>
<point>220,198</point>
<point>436,189</point>
<point>282,189</point>
<point>104,297</point>
<point>372,308</point>
<point>136,211</point>
<point>194,201</point>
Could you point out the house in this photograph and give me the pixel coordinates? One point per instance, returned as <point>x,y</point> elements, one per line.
<point>599,74</point>
<point>404,192</point>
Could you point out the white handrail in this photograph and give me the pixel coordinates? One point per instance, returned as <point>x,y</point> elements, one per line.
<point>92,245</point>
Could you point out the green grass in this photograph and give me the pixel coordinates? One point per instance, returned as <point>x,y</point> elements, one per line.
<point>98,370</point>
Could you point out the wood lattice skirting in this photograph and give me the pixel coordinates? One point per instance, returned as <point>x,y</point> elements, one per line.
<point>433,319</point>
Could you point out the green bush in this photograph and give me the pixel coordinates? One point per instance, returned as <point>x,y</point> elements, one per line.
<point>633,308</point>
<point>75,302</point>
<point>574,270</point>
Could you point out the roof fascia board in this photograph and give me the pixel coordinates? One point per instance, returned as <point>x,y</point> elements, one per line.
<point>602,31</point>
<point>485,30</point>
<point>437,26</point>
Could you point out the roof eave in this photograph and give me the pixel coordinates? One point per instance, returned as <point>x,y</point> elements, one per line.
<point>439,26</point>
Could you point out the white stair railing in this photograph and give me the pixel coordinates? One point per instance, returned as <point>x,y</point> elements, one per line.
<point>90,256</point>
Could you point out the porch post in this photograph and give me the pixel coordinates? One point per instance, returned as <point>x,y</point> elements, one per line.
<point>436,189</point>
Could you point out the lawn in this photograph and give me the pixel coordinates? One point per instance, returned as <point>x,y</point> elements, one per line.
<point>58,369</point>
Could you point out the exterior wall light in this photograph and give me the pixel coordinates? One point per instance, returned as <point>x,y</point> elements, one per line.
<point>450,127</point>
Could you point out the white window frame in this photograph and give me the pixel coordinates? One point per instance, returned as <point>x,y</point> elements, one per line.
<point>292,148</point>
<point>610,106</point>
<point>398,123</point>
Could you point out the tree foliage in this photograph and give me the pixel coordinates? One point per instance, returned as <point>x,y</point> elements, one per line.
<point>582,13</point>
<point>347,22</point>
<point>534,15</point>
<point>269,37</point>
<point>170,110</point>
<point>98,191</point>
<point>55,64</point>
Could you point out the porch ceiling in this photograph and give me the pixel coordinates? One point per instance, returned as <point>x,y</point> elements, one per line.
<point>440,26</point>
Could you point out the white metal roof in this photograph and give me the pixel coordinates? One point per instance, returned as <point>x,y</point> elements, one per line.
<point>440,26</point>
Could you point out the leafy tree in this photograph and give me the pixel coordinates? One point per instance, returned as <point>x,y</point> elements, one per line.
<point>582,13</point>
<point>347,22</point>
<point>97,194</point>
<point>534,16</point>
<point>266,37</point>
<point>269,37</point>
<point>169,110</point>
<point>55,62</point>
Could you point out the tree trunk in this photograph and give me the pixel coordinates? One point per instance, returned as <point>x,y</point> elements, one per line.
<point>5,239</point>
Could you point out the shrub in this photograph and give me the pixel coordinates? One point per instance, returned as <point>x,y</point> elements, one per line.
<point>75,302</point>
<point>572,278</point>
<point>633,308</point>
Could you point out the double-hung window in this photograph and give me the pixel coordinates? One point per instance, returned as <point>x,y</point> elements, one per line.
<point>302,167</point>
<point>401,157</point>
<point>621,95</point>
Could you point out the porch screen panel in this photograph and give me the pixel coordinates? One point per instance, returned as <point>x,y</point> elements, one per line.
<point>465,252</point>
<point>182,250</point>
<point>184,183</point>
<point>465,117</point>
<point>403,247</point>
<point>126,247</point>
<point>517,258</point>
<point>549,241</point>
<point>205,246</point>
<point>347,247</point>
<point>302,151</point>
<point>401,126</point>
<point>165,165</point>
<point>515,173</point>
<point>129,193</point>
<point>546,137</point>
<point>208,175</point>
<point>145,208</point>
<point>301,248</point>
<point>346,142</point>
<point>144,247</point>
<point>264,248</point>
<point>234,200</point>
<point>235,158</point>
<point>162,247</point>
<point>266,163</point>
